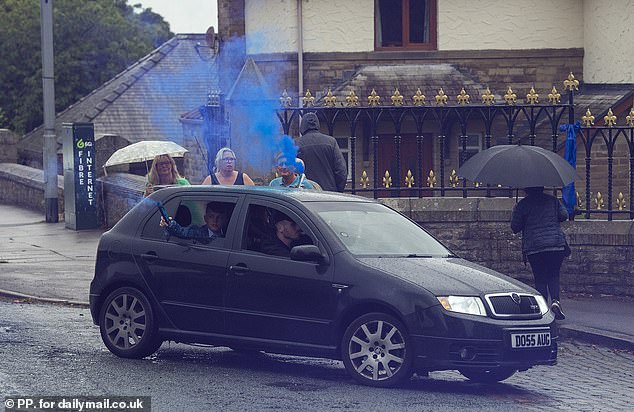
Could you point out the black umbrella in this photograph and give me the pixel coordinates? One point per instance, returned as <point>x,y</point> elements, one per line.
<point>518,166</point>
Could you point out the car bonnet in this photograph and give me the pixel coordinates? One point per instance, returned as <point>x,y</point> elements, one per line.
<point>447,276</point>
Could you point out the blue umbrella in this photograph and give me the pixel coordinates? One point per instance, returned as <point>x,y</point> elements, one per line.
<point>570,155</point>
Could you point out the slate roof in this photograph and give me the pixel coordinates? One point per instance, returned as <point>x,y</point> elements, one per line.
<point>599,98</point>
<point>249,85</point>
<point>145,101</point>
<point>408,78</point>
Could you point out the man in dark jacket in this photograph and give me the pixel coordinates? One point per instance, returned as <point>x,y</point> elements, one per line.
<point>287,235</point>
<point>321,154</point>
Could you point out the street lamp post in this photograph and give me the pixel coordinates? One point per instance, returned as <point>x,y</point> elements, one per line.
<point>49,154</point>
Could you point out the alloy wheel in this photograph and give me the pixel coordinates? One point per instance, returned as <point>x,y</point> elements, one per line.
<point>127,324</point>
<point>377,352</point>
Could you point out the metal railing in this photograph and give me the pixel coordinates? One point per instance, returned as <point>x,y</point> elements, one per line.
<point>435,123</point>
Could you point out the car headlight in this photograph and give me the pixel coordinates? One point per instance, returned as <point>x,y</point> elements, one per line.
<point>543,306</point>
<point>471,305</point>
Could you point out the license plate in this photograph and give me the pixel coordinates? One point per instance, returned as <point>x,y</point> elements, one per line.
<point>530,340</point>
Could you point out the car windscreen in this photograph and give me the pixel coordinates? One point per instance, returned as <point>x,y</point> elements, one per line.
<point>371,229</point>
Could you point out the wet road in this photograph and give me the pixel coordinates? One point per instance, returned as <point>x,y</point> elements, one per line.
<point>55,350</point>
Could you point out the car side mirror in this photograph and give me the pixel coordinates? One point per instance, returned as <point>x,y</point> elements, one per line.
<point>308,253</point>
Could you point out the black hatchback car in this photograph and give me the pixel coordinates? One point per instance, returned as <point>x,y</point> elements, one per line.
<point>366,285</point>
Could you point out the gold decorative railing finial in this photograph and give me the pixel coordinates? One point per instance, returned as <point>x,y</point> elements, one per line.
<point>330,99</point>
<point>397,98</point>
<point>387,180</point>
<point>285,100</point>
<point>365,180</point>
<point>463,97</point>
<point>374,99</point>
<point>352,99</point>
<point>532,96</point>
<point>554,96</point>
<point>419,98</point>
<point>510,97</point>
<point>571,83</point>
<point>610,118</point>
<point>308,99</point>
<point>579,201</point>
<point>409,179</point>
<point>588,118</point>
<point>488,98</point>
<point>441,97</point>
<point>629,119</point>
<point>453,178</point>
<point>431,179</point>
<point>598,201</point>
<point>620,201</point>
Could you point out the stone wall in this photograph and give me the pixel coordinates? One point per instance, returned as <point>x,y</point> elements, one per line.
<point>117,194</point>
<point>24,186</point>
<point>478,229</point>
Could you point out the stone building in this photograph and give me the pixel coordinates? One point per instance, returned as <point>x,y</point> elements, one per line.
<point>366,46</point>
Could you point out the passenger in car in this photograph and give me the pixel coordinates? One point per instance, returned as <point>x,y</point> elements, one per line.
<point>287,235</point>
<point>216,217</point>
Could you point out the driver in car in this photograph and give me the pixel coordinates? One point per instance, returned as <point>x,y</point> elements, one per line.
<point>287,235</point>
<point>215,221</point>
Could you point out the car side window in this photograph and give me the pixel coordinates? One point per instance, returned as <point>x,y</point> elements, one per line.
<point>201,221</point>
<point>273,231</point>
<point>152,228</point>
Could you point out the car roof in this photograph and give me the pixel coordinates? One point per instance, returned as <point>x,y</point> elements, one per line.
<point>282,193</point>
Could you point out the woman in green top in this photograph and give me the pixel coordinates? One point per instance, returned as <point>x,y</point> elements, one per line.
<point>163,172</point>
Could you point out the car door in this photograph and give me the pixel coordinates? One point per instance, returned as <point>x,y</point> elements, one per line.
<point>273,298</point>
<point>186,275</point>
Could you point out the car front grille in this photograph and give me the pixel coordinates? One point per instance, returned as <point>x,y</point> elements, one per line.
<point>513,304</point>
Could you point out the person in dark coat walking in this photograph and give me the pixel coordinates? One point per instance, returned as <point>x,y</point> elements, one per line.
<point>321,155</point>
<point>538,217</point>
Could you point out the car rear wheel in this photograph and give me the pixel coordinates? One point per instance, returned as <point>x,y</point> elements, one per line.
<point>127,324</point>
<point>376,350</point>
<point>483,375</point>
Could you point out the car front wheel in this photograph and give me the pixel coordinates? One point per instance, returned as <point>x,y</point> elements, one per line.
<point>376,350</point>
<point>127,324</point>
<point>483,375</point>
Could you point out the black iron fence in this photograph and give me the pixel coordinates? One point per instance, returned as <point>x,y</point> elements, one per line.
<point>412,147</point>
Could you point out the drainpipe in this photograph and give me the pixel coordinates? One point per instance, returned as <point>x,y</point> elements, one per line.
<point>300,54</point>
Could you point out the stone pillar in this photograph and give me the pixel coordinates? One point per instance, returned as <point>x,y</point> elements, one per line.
<point>8,146</point>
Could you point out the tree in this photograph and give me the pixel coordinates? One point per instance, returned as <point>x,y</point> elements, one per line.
<point>93,41</point>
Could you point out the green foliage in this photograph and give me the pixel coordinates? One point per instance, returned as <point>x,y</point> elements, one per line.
<point>93,41</point>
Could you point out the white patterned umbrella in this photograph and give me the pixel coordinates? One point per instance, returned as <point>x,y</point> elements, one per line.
<point>144,151</point>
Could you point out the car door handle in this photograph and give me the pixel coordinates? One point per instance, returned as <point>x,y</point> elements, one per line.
<point>150,256</point>
<point>239,269</point>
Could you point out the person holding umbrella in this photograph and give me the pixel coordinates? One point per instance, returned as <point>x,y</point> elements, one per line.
<point>163,172</point>
<point>538,217</point>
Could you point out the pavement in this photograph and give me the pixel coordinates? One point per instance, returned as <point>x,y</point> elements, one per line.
<point>47,262</point>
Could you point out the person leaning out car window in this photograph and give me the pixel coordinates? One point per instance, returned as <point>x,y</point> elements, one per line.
<point>216,217</point>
